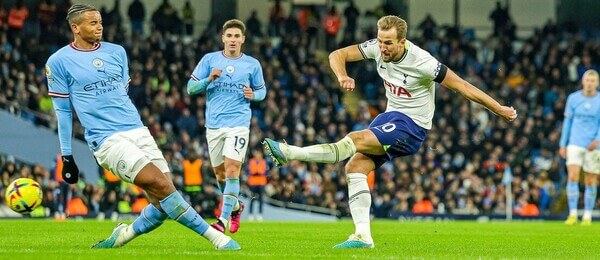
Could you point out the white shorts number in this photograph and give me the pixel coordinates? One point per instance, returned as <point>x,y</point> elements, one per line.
<point>230,142</point>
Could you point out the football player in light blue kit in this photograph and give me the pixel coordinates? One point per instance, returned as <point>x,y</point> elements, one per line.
<point>580,145</point>
<point>231,79</point>
<point>93,77</point>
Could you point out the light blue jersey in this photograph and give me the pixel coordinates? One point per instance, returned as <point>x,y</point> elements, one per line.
<point>96,82</point>
<point>582,120</point>
<point>226,105</point>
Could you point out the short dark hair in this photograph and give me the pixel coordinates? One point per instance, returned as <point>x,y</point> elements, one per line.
<point>74,13</point>
<point>235,23</point>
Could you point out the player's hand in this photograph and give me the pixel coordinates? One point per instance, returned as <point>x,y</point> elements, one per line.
<point>214,74</point>
<point>562,152</point>
<point>508,113</point>
<point>248,92</point>
<point>70,172</point>
<point>346,83</point>
<point>593,145</point>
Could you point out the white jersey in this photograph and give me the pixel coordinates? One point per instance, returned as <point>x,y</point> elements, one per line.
<point>409,83</point>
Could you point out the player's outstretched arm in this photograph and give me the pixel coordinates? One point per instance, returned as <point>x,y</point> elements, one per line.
<point>456,83</point>
<point>337,61</point>
<point>62,106</point>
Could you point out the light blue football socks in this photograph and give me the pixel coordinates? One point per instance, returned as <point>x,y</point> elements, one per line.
<point>149,219</point>
<point>230,198</point>
<point>179,210</point>
<point>573,197</point>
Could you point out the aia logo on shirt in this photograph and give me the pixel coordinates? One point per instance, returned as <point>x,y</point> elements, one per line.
<point>397,90</point>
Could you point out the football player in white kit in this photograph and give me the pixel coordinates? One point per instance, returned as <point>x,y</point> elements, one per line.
<point>409,74</point>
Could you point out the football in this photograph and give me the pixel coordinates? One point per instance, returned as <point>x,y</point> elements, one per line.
<point>23,195</point>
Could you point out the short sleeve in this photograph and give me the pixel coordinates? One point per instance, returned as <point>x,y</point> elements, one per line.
<point>57,79</point>
<point>569,108</point>
<point>125,69</point>
<point>258,80</point>
<point>369,49</point>
<point>202,69</point>
<point>432,69</point>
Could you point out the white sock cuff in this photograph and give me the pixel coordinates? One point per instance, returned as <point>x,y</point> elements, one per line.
<point>356,176</point>
<point>348,143</point>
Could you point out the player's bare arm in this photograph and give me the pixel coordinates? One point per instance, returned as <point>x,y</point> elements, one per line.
<point>337,61</point>
<point>456,83</point>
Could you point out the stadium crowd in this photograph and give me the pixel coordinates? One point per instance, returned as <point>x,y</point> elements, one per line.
<point>460,170</point>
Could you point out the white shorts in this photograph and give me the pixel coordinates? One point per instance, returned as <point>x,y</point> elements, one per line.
<point>126,153</point>
<point>588,160</point>
<point>230,142</point>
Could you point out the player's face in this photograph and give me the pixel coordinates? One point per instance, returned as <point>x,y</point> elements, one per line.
<point>391,48</point>
<point>233,40</point>
<point>90,27</point>
<point>589,82</point>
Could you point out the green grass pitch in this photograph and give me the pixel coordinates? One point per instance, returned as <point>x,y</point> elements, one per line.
<point>46,239</point>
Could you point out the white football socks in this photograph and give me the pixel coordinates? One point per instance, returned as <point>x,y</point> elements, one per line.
<point>215,237</point>
<point>587,214</point>
<point>360,204</point>
<point>573,212</point>
<point>322,153</point>
<point>124,238</point>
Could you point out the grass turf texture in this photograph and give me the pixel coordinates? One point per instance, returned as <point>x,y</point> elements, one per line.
<point>46,239</point>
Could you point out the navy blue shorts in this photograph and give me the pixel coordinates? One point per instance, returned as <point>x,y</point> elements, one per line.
<point>399,135</point>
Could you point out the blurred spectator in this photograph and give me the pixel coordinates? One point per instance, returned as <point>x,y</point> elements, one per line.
<point>331,23</point>
<point>16,19</point>
<point>500,17</point>
<point>351,14</point>
<point>137,14</point>
<point>254,26</point>
<point>3,15</point>
<point>257,179</point>
<point>192,177</point>
<point>46,15</point>
<point>276,19</point>
<point>165,18</point>
<point>428,26</point>
<point>188,18</point>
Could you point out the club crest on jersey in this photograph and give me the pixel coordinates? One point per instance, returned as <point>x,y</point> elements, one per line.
<point>229,69</point>
<point>98,63</point>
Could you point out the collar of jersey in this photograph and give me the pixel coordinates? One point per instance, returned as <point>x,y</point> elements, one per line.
<point>223,53</point>
<point>403,55</point>
<point>96,46</point>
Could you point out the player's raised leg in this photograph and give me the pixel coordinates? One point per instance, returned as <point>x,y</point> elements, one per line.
<point>149,219</point>
<point>361,141</point>
<point>359,201</point>
<point>159,187</point>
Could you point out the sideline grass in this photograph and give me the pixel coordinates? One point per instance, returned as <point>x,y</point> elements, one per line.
<point>46,239</point>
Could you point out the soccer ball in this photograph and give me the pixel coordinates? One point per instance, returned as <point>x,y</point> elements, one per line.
<point>23,195</point>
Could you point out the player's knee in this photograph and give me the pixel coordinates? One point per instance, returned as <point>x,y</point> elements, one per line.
<point>161,187</point>
<point>354,166</point>
<point>357,137</point>
<point>232,173</point>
